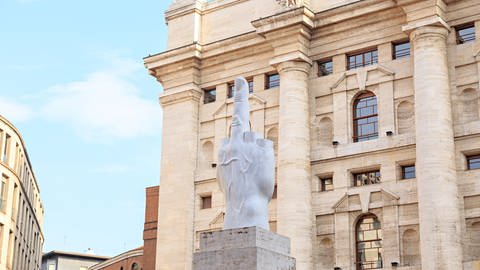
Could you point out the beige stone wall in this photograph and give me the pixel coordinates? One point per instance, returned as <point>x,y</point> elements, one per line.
<point>21,209</point>
<point>438,88</point>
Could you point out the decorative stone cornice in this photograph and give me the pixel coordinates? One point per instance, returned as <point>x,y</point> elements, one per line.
<point>301,15</point>
<point>174,97</point>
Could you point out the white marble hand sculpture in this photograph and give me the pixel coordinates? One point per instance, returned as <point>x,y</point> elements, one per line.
<point>247,168</point>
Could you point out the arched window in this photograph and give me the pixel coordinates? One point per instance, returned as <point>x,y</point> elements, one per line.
<point>365,117</point>
<point>369,243</point>
<point>135,266</point>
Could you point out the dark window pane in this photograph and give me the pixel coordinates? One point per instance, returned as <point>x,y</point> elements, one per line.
<point>408,172</point>
<point>325,68</point>
<point>465,33</point>
<point>473,162</point>
<point>206,202</point>
<point>273,80</point>
<point>401,50</point>
<point>365,118</point>
<point>250,86</point>
<point>209,96</point>
<point>230,90</point>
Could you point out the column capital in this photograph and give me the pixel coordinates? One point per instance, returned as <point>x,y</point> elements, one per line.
<point>432,25</point>
<point>429,31</point>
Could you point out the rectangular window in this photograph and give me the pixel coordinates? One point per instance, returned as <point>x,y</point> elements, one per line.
<point>325,67</point>
<point>6,148</point>
<point>362,59</point>
<point>366,178</point>
<point>473,162</point>
<point>408,172</point>
<point>206,202</point>
<point>231,88</point>
<point>3,194</point>
<point>326,184</point>
<point>465,33</point>
<point>401,49</point>
<point>272,81</point>
<point>210,95</point>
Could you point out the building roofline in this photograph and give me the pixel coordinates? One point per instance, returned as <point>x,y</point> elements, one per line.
<point>74,254</point>
<point>128,254</point>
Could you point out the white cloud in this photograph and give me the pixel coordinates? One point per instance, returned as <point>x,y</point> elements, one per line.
<point>14,111</point>
<point>105,105</point>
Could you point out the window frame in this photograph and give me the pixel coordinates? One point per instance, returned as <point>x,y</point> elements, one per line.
<point>268,82</point>
<point>328,70</point>
<point>378,178</point>
<point>208,97</point>
<point>404,173</point>
<point>363,53</point>
<point>470,158</point>
<point>402,52</point>
<point>355,119</point>
<point>459,38</point>
<point>378,239</point>
<point>204,199</point>
<point>323,185</point>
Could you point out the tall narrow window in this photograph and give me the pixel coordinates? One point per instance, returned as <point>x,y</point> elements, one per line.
<point>362,59</point>
<point>401,49</point>
<point>6,148</point>
<point>369,243</point>
<point>272,81</point>
<point>210,95</point>
<point>365,118</point>
<point>325,67</point>
<point>135,266</point>
<point>3,194</point>
<point>465,33</point>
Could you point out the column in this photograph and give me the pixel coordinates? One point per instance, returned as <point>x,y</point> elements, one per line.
<point>294,216</point>
<point>175,229</point>
<point>435,150</point>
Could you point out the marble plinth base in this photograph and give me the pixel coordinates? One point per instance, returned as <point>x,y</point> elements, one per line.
<point>251,248</point>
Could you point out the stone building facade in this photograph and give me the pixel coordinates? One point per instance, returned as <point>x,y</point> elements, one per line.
<point>373,106</point>
<point>21,209</point>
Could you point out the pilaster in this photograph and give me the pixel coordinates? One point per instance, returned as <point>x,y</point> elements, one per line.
<point>294,213</point>
<point>437,188</point>
<point>178,72</point>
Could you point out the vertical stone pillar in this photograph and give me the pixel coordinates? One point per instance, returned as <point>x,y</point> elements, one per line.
<point>294,212</point>
<point>435,150</point>
<point>175,229</point>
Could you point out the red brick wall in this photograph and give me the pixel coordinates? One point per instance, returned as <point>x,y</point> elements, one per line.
<point>150,228</point>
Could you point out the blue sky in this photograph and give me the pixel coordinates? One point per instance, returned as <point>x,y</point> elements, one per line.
<point>72,81</point>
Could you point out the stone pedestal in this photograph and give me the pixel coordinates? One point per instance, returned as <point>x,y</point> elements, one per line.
<point>243,249</point>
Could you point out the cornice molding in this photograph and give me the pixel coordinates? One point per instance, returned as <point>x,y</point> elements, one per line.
<point>301,15</point>
<point>169,98</point>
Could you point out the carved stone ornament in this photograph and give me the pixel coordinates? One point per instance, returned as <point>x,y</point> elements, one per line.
<point>287,3</point>
<point>246,168</point>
